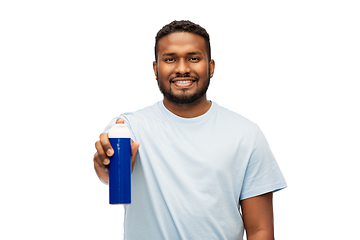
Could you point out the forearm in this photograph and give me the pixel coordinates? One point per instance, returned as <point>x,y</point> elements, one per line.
<point>261,235</point>
<point>258,217</point>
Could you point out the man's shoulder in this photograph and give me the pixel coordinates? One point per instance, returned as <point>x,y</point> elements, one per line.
<point>146,112</point>
<point>230,116</point>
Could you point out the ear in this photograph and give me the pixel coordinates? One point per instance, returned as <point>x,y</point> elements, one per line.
<point>212,67</point>
<point>155,68</point>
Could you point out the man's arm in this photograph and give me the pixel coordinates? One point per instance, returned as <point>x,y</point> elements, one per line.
<point>258,217</point>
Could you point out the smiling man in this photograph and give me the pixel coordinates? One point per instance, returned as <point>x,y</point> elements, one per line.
<point>200,171</point>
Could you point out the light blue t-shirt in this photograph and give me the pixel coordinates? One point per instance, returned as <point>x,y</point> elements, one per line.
<point>191,173</point>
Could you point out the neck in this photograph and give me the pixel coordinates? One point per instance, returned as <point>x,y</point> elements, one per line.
<point>190,110</point>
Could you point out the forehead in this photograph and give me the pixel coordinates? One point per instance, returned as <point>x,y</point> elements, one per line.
<point>181,42</point>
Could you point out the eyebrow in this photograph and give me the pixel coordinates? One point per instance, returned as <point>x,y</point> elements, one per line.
<point>195,53</point>
<point>168,54</point>
<point>190,53</point>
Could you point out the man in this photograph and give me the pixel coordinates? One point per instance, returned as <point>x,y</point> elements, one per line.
<point>195,164</point>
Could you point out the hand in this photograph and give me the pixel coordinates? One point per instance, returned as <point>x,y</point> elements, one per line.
<point>104,151</point>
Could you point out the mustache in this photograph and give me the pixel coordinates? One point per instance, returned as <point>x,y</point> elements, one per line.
<point>195,78</point>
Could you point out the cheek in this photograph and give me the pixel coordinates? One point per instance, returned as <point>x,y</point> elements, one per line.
<point>202,70</point>
<point>163,73</point>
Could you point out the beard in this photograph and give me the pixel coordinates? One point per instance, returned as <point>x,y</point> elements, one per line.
<point>184,97</point>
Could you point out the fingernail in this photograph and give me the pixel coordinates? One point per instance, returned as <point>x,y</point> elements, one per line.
<point>106,161</point>
<point>109,152</point>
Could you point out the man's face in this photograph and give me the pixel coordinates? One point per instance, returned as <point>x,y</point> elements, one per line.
<point>183,70</point>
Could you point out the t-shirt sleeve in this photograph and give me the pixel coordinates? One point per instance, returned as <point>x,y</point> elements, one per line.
<point>262,174</point>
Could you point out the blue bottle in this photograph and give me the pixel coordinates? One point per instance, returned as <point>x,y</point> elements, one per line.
<point>120,165</point>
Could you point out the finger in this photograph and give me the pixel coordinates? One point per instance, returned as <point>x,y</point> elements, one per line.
<point>100,157</point>
<point>105,143</point>
<point>103,175</point>
<point>120,121</point>
<point>99,165</point>
<point>98,160</point>
<point>134,152</point>
<point>134,148</point>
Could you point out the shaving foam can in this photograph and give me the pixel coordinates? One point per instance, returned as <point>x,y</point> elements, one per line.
<point>120,165</point>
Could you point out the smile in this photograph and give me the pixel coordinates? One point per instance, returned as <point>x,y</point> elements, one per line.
<point>183,83</point>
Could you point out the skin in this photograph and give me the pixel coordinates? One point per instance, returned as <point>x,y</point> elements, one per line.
<point>183,56</point>
<point>258,217</point>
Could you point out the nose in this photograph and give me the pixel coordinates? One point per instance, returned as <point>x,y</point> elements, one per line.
<point>182,67</point>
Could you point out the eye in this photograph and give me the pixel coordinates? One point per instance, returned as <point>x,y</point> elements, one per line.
<point>169,60</point>
<point>194,59</point>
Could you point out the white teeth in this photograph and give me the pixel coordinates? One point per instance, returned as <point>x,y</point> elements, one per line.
<point>185,81</point>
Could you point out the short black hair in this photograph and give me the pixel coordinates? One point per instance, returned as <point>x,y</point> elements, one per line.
<point>183,26</point>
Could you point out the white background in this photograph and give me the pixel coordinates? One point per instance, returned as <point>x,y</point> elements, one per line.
<point>68,67</point>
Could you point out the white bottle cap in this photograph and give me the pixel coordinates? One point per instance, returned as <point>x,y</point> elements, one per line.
<point>119,130</point>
